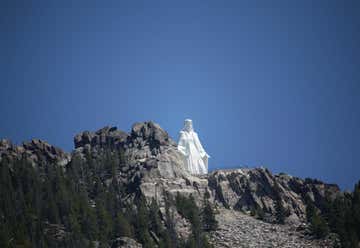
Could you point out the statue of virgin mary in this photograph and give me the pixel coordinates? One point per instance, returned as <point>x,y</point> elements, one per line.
<point>189,145</point>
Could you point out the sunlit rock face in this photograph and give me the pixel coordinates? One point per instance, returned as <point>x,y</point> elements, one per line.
<point>190,146</point>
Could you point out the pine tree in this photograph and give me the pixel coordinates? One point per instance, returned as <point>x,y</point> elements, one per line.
<point>208,216</point>
<point>188,209</point>
<point>280,211</point>
<point>170,239</point>
<point>318,225</point>
<point>88,222</point>
<point>104,222</point>
<point>356,210</point>
<point>142,228</point>
<point>122,226</point>
<point>155,220</point>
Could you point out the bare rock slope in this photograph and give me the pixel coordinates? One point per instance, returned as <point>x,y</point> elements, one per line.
<point>250,189</point>
<point>237,229</point>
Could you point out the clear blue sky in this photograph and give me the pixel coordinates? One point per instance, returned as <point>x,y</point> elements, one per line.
<point>272,83</point>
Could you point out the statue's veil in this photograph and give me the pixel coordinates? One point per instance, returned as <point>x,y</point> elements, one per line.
<point>188,127</point>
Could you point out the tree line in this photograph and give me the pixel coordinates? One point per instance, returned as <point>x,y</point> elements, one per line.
<point>52,206</point>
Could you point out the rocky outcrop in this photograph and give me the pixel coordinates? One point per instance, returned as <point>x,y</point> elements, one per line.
<point>156,168</point>
<point>153,168</point>
<point>103,138</point>
<point>153,162</point>
<point>258,189</point>
<point>37,152</point>
<point>125,242</point>
<point>150,147</point>
<point>56,233</point>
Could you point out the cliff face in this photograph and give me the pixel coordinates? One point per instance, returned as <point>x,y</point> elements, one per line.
<point>150,166</point>
<point>154,168</point>
<point>152,160</point>
<point>159,168</point>
<point>37,152</point>
<point>258,189</point>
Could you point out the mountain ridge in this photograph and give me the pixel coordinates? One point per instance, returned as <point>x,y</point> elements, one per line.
<point>144,165</point>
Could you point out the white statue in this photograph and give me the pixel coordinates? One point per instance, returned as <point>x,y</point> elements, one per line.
<point>189,145</point>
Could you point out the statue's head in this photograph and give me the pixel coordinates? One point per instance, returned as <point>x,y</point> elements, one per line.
<point>188,125</point>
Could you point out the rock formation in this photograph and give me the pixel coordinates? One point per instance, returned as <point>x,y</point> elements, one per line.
<point>257,189</point>
<point>37,152</point>
<point>155,169</point>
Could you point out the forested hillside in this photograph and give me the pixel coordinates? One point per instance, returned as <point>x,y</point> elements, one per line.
<point>132,190</point>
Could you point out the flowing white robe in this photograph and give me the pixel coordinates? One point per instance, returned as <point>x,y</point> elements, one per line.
<point>196,157</point>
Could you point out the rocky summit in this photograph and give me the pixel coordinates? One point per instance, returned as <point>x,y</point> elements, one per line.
<point>119,189</point>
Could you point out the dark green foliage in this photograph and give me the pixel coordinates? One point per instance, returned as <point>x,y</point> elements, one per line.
<point>257,212</point>
<point>155,218</point>
<point>280,211</point>
<point>356,209</point>
<point>142,224</point>
<point>187,207</point>
<point>170,238</point>
<point>84,200</point>
<point>208,216</point>
<point>122,226</point>
<point>310,209</point>
<point>21,205</point>
<point>318,225</point>
<point>341,216</point>
<point>104,222</point>
<point>78,202</point>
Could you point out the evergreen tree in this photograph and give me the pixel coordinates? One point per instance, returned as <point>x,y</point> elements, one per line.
<point>208,216</point>
<point>356,210</point>
<point>257,212</point>
<point>280,211</point>
<point>122,226</point>
<point>155,219</point>
<point>142,224</point>
<point>81,200</point>
<point>318,225</point>
<point>104,222</point>
<point>188,209</point>
<point>170,239</point>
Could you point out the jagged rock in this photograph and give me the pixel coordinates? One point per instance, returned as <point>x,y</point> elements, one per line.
<point>148,140</point>
<point>104,137</point>
<point>5,144</point>
<point>249,189</point>
<point>55,232</point>
<point>125,242</point>
<point>163,170</point>
<point>155,169</point>
<point>152,134</point>
<point>37,152</point>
